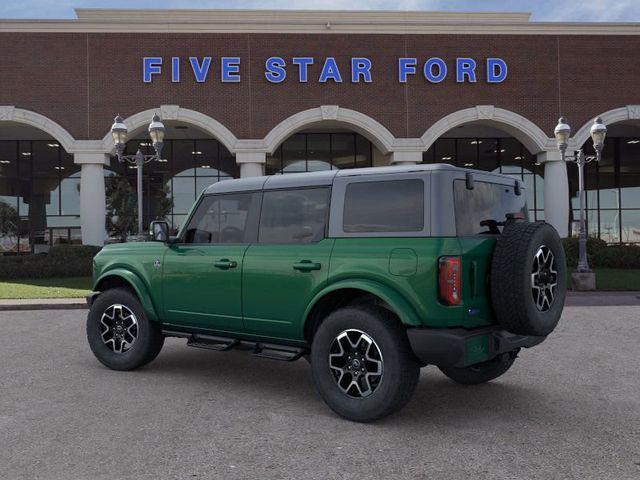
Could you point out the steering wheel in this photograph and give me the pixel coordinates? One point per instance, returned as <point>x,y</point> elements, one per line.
<point>231,234</point>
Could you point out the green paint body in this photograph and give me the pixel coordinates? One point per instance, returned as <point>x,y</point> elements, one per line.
<point>266,291</point>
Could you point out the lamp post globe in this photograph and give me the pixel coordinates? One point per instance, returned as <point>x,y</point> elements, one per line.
<point>562,133</point>
<point>156,132</point>
<point>598,134</point>
<point>119,133</point>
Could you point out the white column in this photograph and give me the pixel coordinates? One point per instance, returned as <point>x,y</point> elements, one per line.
<point>405,158</point>
<point>251,163</point>
<point>92,197</point>
<point>556,191</point>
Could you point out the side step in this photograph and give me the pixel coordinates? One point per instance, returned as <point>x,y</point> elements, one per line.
<point>272,351</point>
<point>211,342</point>
<point>277,352</point>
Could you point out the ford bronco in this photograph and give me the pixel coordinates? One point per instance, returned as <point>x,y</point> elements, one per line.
<point>370,274</point>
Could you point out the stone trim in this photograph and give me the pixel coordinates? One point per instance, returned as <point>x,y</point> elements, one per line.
<point>319,22</point>
<point>532,136</point>
<point>10,113</point>
<point>177,113</point>
<point>378,134</point>
<point>629,112</point>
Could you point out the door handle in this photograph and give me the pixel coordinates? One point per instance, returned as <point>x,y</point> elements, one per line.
<point>306,266</point>
<point>225,264</point>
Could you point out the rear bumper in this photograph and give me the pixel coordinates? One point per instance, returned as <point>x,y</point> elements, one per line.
<point>459,347</point>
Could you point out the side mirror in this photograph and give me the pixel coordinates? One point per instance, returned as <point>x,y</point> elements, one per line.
<point>159,231</point>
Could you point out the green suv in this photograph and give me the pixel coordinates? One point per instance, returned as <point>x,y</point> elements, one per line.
<point>369,274</point>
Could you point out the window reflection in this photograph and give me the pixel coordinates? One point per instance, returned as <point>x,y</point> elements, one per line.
<point>39,196</point>
<point>500,155</point>
<point>309,152</point>
<point>186,169</point>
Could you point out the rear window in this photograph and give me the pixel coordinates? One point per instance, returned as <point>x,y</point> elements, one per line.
<point>487,202</point>
<point>385,206</point>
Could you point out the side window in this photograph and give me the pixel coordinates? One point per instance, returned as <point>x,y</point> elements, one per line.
<point>294,216</point>
<point>228,218</point>
<point>476,210</point>
<point>384,206</point>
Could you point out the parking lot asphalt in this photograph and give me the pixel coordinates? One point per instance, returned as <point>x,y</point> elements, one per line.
<point>570,408</point>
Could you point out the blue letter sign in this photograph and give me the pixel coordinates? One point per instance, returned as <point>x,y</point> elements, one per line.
<point>360,67</point>
<point>496,70</point>
<point>200,71</point>
<point>428,70</point>
<point>151,66</point>
<point>434,69</point>
<point>330,71</point>
<point>406,66</point>
<point>275,69</point>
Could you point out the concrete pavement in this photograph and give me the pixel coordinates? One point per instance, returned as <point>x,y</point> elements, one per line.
<point>569,408</point>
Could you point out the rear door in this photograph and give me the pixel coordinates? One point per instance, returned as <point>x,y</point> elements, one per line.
<point>290,262</point>
<point>202,274</point>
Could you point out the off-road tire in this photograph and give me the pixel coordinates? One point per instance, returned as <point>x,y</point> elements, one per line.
<point>512,294</point>
<point>400,368</point>
<point>482,372</point>
<point>145,348</point>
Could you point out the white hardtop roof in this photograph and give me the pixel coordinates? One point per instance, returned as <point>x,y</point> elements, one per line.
<point>326,177</point>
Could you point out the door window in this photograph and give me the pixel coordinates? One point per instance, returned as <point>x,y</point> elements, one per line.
<point>229,218</point>
<point>294,216</point>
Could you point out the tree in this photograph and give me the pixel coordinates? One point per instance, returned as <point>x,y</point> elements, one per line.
<point>9,221</point>
<point>122,206</point>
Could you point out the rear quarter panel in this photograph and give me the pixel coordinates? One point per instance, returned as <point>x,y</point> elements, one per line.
<point>388,262</point>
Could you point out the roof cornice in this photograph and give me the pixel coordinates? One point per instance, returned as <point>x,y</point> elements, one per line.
<point>312,21</point>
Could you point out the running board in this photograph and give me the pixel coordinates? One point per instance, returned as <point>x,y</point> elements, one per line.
<point>277,352</point>
<point>211,342</point>
<point>272,351</point>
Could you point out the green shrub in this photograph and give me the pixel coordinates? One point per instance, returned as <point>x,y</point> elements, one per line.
<point>618,256</point>
<point>571,249</point>
<point>61,261</point>
<point>601,255</point>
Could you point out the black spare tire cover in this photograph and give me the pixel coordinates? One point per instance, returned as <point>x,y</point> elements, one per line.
<point>528,278</point>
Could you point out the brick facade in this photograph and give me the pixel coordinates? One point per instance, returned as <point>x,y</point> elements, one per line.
<point>80,80</point>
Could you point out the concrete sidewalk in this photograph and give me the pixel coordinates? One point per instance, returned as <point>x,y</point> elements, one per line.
<point>574,299</point>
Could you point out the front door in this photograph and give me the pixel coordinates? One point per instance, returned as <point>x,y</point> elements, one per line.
<point>202,272</point>
<point>290,262</point>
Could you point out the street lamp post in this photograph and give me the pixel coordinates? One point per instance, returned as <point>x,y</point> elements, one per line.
<point>119,133</point>
<point>562,133</point>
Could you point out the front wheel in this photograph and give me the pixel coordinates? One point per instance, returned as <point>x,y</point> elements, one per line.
<point>362,363</point>
<point>481,372</point>
<point>119,333</point>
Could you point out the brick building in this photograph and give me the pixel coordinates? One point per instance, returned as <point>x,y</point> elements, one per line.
<point>252,92</point>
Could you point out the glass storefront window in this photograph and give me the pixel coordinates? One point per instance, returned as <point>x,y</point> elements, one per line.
<point>467,152</point>
<point>630,225</point>
<point>445,151</point>
<point>306,152</point>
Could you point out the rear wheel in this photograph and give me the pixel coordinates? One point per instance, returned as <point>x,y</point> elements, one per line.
<point>362,364</point>
<point>482,372</point>
<point>119,333</point>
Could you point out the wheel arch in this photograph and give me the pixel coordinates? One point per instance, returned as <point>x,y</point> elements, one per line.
<point>341,293</point>
<point>127,279</point>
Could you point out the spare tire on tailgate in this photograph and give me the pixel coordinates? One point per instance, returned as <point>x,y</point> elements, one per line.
<point>528,278</point>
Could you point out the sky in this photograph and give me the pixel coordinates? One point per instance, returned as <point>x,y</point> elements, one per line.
<point>542,10</point>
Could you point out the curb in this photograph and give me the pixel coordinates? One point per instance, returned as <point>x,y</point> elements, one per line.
<point>574,299</point>
<point>44,304</point>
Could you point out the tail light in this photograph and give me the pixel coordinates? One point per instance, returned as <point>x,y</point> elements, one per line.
<point>449,280</point>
